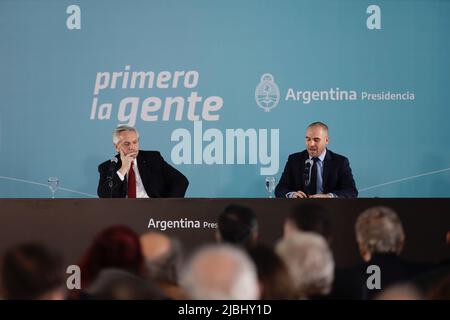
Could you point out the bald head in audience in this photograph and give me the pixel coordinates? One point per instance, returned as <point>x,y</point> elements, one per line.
<point>310,263</point>
<point>221,272</point>
<point>154,245</point>
<point>163,256</point>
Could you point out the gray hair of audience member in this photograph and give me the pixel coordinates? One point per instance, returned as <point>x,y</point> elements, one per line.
<point>400,292</point>
<point>163,264</point>
<point>117,284</point>
<point>309,261</point>
<point>379,230</point>
<point>220,272</point>
<point>122,128</point>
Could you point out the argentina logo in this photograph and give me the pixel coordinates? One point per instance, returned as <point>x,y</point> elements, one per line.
<point>267,94</point>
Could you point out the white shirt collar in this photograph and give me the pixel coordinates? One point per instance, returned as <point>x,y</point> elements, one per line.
<point>322,155</point>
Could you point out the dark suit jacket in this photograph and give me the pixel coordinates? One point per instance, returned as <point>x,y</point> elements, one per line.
<point>160,179</point>
<point>337,175</point>
<point>394,270</point>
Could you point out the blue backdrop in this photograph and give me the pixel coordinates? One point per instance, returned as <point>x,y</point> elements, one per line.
<point>225,90</point>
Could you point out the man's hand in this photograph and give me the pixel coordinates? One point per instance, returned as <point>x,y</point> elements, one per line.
<point>126,161</point>
<point>299,194</point>
<point>321,195</point>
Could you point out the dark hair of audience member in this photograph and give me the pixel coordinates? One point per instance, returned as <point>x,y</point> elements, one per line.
<point>312,217</point>
<point>117,284</point>
<point>115,247</point>
<point>441,291</point>
<point>238,225</point>
<point>30,271</point>
<point>273,275</point>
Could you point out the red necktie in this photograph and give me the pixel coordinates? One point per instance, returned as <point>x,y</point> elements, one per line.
<point>131,183</point>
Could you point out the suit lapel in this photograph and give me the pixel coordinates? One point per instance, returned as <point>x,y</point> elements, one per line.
<point>145,171</point>
<point>141,162</point>
<point>301,169</point>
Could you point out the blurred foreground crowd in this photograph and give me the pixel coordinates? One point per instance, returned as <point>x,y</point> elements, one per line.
<point>120,264</point>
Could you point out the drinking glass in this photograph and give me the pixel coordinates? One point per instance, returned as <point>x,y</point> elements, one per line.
<point>53,183</point>
<point>270,186</point>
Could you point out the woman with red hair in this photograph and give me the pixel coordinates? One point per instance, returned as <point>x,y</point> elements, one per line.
<point>115,247</point>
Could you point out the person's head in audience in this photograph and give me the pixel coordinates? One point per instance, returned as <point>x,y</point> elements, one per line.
<point>309,261</point>
<point>238,226</point>
<point>115,247</point>
<point>220,272</point>
<point>309,217</point>
<point>32,272</point>
<point>400,292</point>
<point>274,278</point>
<point>379,231</point>
<point>117,284</point>
<point>163,256</point>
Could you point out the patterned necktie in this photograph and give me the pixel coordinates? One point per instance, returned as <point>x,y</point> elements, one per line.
<point>131,183</point>
<point>313,183</point>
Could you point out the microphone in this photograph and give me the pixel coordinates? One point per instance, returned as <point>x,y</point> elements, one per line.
<point>306,172</point>
<point>112,167</point>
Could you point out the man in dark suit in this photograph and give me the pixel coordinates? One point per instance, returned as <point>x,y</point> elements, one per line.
<point>138,174</point>
<point>316,172</point>
<point>381,237</point>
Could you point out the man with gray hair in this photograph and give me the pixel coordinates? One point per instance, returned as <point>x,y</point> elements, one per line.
<point>379,231</point>
<point>309,261</point>
<point>138,174</point>
<point>380,237</point>
<point>220,272</point>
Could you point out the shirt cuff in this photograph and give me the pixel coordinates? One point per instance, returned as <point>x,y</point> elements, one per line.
<point>120,175</point>
<point>333,195</point>
<point>289,194</point>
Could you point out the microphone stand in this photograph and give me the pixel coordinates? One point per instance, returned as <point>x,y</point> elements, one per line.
<point>306,176</point>
<point>110,184</point>
<point>110,175</point>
